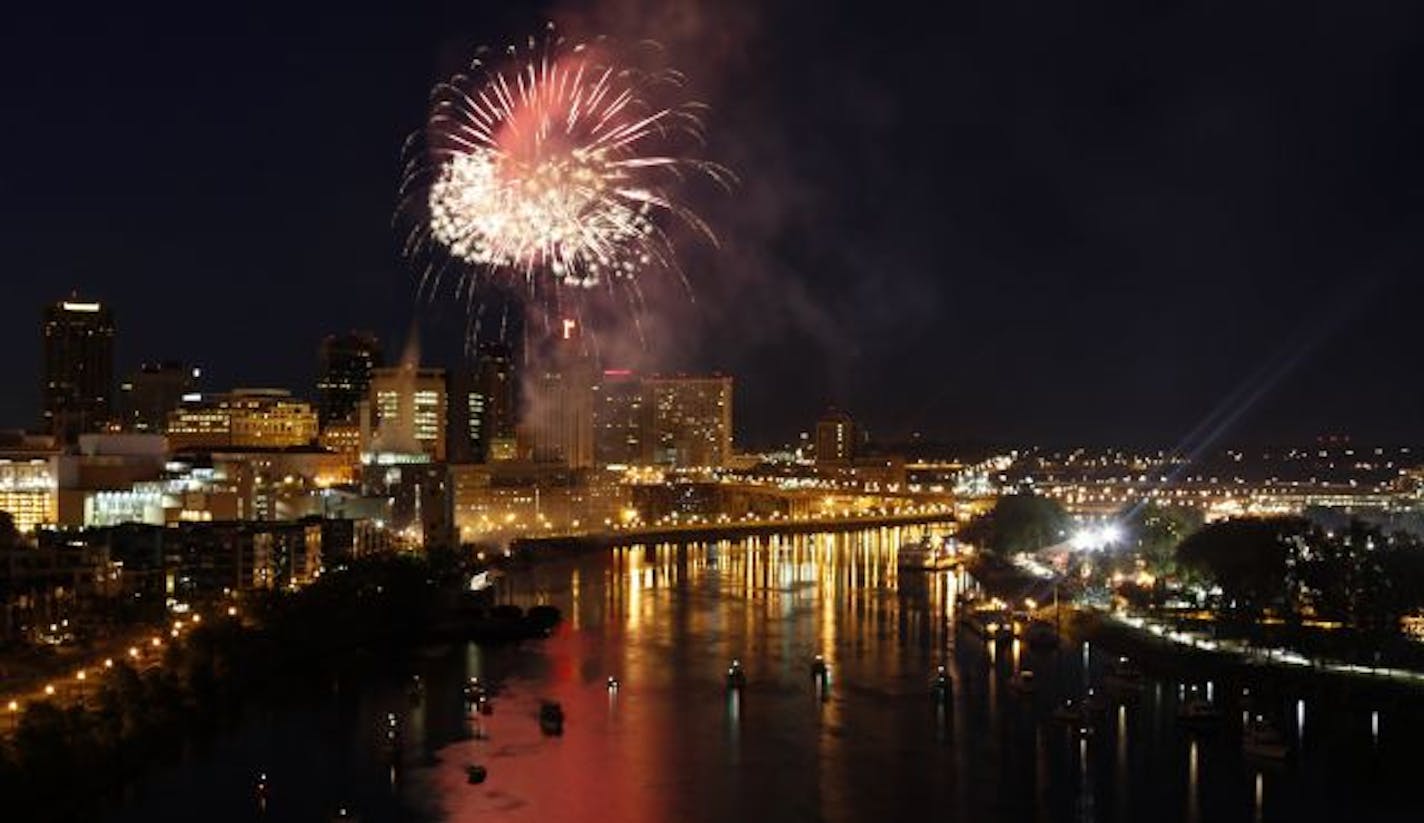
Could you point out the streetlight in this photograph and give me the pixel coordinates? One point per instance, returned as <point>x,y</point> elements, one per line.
<point>14,714</point>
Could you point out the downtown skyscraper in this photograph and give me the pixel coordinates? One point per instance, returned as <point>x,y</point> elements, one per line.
<point>77,390</point>
<point>344,374</point>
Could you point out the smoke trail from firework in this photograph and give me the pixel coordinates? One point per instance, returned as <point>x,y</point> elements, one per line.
<point>553,168</point>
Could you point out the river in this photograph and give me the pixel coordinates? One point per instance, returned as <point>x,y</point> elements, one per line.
<point>672,744</point>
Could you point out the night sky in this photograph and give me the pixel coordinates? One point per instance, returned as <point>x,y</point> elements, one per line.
<point>1027,222</point>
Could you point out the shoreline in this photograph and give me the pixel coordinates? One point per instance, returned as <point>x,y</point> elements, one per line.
<point>1160,654</point>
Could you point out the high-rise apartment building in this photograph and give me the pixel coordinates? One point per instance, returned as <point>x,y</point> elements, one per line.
<point>244,418</point>
<point>621,419</point>
<point>409,406</point>
<point>344,371</point>
<point>78,382</point>
<point>691,420</point>
<point>152,393</point>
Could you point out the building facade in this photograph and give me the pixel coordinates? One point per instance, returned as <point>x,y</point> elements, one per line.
<point>247,418</point>
<point>835,438</point>
<point>484,407</point>
<point>558,411</point>
<point>78,369</point>
<point>344,368</point>
<point>152,393</point>
<point>691,421</point>
<point>621,419</point>
<point>409,406</point>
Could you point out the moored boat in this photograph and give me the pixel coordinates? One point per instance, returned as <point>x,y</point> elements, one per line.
<point>928,554</point>
<point>551,718</point>
<point>1260,739</point>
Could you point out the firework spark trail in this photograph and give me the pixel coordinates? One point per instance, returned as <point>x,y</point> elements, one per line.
<point>557,169</point>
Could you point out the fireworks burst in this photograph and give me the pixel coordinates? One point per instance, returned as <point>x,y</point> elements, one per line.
<point>553,165</point>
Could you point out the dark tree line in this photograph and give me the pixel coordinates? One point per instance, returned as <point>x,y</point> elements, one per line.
<point>1358,575</point>
<point>1018,523</point>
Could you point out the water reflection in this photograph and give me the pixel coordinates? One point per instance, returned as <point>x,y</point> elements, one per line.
<point>871,741</point>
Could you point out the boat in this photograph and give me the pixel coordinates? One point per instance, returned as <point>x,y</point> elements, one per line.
<point>475,691</point>
<point>1263,741</point>
<point>1198,712</point>
<point>551,718</point>
<point>736,678</point>
<point>1123,676</point>
<point>1022,682</point>
<point>1094,704</point>
<point>926,555</point>
<point>475,773</point>
<point>941,685</point>
<point>1070,711</point>
<point>819,669</point>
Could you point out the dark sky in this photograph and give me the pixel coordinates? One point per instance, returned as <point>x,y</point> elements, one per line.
<point>1039,222</point>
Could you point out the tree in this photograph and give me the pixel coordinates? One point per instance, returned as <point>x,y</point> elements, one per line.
<point>1019,523</point>
<point>1158,530</point>
<point>9,535</point>
<point>1251,559</point>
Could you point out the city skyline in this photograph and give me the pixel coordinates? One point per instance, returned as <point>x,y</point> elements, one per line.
<point>993,294</point>
<point>784,410</point>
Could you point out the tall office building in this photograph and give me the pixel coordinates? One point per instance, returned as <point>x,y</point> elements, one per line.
<point>691,420</point>
<point>559,405</point>
<point>621,417</point>
<point>496,379</point>
<point>482,407</point>
<point>835,438</point>
<point>152,393</point>
<point>465,441</point>
<point>78,368</point>
<point>409,405</point>
<point>344,371</point>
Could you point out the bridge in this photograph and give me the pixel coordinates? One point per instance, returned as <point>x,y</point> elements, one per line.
<point>729,530</point>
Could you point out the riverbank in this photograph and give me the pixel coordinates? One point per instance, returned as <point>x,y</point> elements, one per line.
<point>63,760</point>
<point>1161,653</point>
